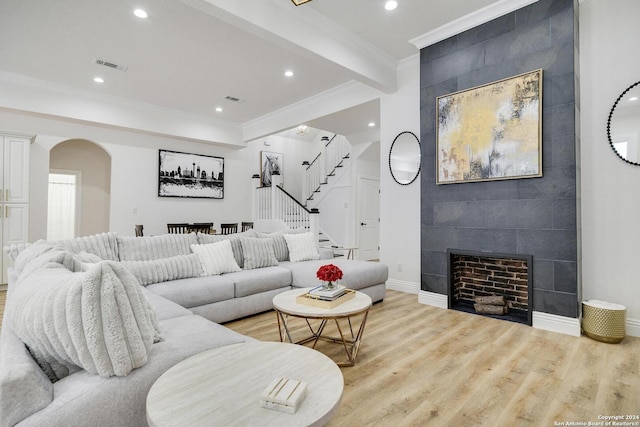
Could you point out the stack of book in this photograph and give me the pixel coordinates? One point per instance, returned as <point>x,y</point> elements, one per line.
<point>322,298</point>
<point>328,294</point>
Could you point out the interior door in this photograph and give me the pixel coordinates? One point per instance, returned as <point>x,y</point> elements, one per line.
<point>369,221</point>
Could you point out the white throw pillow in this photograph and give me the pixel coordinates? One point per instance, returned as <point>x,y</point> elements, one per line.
<point>216,258</point>
<point>301,247</point>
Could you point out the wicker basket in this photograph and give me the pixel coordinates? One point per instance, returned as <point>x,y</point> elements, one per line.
<point>604,321</point>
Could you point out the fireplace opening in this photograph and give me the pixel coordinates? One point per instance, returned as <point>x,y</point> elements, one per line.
<point>491,284</point>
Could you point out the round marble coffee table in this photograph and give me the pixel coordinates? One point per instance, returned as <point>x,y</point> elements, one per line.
<point>286,306</point>
<point>222,387</point>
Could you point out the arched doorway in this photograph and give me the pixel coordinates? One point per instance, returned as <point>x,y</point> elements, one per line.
<point>87,168</point>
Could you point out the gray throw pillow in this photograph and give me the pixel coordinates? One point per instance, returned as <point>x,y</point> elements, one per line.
<point>258,253</point>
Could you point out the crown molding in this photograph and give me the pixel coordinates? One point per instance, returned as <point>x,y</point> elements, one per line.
<point>471,20</point>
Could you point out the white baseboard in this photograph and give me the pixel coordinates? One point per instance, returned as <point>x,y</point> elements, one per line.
<point>555,323</point>
<point>433,299</point>
<point>403,286</point>
<point>632,327</point>
<point>540,320</point>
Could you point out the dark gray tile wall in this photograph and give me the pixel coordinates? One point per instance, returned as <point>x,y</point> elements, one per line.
<point>535,216</point>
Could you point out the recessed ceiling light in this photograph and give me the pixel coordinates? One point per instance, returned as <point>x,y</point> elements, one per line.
<point>391,4</point>
<point>98,79</point>
<point>633,98</point>
<point>140,13</point>
<point>288,73</point>
<point>219,109</point>
<point>371,124</point>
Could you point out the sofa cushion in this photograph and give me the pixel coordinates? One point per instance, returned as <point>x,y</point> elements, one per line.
<point>216,258</point>
<point>249,282</point>
<point>163,270</point>
<point>146,248</point>
<point>89,400</point>
<point>301,247</point>
<point>104,245</point>
<point>97,320</point>
<point>24,388</point>
<point>257,253</point>
<point>195,291</point>
<point>356,274</point>
<point>164,308</point>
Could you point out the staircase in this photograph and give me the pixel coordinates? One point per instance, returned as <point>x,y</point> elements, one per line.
<point>274,203</point>
<point>334,155</point>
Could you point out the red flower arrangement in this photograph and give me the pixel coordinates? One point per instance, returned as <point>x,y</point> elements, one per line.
<point>329,273</point>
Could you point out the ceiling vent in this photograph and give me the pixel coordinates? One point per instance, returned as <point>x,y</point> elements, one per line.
<point>111,65</point>
<point>232,98</point>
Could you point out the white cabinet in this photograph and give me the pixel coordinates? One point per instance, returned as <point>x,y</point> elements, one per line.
<point>14,195</point>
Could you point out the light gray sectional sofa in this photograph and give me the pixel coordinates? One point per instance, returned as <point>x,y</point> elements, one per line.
<point>179,307</point>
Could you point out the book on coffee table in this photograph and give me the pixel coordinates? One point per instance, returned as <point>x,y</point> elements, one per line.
<point>328,294</point>
<point>284,394</point>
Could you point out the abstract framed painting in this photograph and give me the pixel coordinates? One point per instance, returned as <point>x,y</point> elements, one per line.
<point>190,175</point>
<point>270,162</point>
<point>491,132</point>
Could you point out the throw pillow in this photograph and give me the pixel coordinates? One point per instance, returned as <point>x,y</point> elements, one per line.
<point>301,247</point>
<point>234,238</point>
<point>279,244</point>
<point>98,320</point>
<point>257,253</point>
<point>163,270</point>
<point>216,258</point>
<point>146,248</point>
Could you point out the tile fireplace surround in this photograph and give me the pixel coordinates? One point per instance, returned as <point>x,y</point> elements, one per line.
<point>535,216</point>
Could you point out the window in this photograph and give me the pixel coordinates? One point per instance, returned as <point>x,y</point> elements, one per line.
<point>62,215</point>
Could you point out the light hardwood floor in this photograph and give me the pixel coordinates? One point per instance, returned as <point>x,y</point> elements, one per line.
<point>420,365</point>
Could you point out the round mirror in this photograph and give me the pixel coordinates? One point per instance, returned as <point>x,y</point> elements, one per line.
<point>404,158</point>
<point>623,126</point>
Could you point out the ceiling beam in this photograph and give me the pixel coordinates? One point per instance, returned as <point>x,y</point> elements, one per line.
<point>308,33</point>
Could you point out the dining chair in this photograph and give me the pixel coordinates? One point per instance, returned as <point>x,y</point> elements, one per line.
<point>139,230</point>
<point>201,227</point>
<point>229,228</point>
<point>178,228</point>
<point>246,226</point>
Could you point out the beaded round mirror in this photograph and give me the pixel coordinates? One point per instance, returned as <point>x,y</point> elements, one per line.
<point>623,125</point>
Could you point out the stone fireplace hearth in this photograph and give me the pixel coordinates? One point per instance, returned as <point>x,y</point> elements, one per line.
<point>503,277</point>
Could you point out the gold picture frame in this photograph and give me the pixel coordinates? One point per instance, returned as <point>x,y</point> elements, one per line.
<point>491,132</point>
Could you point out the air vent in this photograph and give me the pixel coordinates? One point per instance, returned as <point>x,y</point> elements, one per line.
<point>111,65</point>
<point>232,98</point>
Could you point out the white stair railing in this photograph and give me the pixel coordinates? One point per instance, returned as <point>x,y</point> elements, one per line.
<point>274,203</point>
<point>316,173</point>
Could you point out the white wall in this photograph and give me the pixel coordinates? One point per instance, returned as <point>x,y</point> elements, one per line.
<point>609,63</point>
<point>400,204</point>
<point>94,165</point>
<point>134,182</point>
